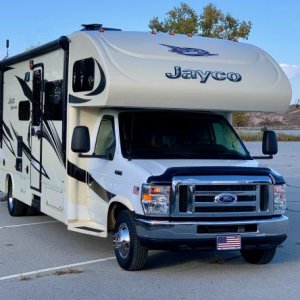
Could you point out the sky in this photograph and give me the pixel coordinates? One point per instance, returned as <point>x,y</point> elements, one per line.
<point>276,24</point>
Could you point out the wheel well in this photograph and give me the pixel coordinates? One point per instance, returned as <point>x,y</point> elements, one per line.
<point>113,212</point>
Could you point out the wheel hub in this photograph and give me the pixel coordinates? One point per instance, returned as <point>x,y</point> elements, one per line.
<point>121,240</point>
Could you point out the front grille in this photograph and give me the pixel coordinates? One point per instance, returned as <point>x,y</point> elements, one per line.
<point>196,197</point>
<point>226,209</point>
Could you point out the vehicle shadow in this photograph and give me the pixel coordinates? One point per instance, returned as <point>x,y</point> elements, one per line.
<point>169,259</point>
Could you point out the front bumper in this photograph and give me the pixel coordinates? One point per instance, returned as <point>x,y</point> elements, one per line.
<point>163,234</point>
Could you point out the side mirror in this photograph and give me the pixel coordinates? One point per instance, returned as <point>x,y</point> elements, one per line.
<point>80,140</point>
<point>269,145</point>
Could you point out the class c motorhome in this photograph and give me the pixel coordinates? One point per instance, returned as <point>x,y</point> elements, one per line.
<point>129,133</point>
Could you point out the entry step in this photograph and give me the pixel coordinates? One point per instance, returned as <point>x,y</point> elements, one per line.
<point>89,227</point>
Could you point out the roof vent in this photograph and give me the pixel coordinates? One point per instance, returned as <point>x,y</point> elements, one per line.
<point>89,27</point>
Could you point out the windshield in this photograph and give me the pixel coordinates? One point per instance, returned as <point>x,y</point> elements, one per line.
<point>172,135</point>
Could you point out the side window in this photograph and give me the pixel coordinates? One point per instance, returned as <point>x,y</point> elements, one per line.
<point>53,100</point>
<point>83,75</point>
<point>24,110</point>
<point>106,142</point>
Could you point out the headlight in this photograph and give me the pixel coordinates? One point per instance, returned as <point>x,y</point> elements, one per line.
<point>156,199</point>
<point>279,198</point>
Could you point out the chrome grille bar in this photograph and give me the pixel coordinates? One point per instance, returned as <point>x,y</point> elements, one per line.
<point>195,196</point>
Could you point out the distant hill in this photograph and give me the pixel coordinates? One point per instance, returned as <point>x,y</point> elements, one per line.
<point>288,120</point>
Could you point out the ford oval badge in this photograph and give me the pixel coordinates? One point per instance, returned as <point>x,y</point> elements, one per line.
<point>226,198</point>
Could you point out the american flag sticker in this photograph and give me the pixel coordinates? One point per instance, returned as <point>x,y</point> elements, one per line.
<point>229,242</point>
<point>136,190</point>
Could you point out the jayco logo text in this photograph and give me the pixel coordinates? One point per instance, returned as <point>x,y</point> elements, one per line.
<point>203,75</point>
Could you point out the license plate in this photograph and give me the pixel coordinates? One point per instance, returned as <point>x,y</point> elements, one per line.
<point>229,242</point>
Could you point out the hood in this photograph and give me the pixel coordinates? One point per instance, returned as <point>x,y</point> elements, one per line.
<point>158,167</point>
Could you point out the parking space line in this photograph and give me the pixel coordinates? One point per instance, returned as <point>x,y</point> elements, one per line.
<point>28,224</point>
<point>37,272</point>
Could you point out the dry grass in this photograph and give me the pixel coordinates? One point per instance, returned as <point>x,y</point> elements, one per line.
<point>25,278</point>
<point>68,271</point>
<point>257,137</point>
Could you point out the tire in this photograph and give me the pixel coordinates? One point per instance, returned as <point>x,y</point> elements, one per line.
<point>130,254</point>
<point>259,256</point>
<point>15,207</point>
<point>32,211</point>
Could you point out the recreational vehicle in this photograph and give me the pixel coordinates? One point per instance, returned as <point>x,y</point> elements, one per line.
<point>129,134</point>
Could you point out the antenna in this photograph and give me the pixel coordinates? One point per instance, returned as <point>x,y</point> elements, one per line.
<point>7,47</point>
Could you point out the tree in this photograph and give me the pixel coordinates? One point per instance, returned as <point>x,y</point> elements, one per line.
<point>240,119</point>
<point>212,22</point>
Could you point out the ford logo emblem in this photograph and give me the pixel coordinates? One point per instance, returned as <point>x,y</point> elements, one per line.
<point>226,198</point>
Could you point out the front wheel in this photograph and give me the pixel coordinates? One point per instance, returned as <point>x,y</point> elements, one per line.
<point>259,256</point>
<point>130,254</point>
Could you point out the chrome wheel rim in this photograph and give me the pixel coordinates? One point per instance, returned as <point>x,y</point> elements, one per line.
<point>11,203</point>
<point>121,240</point>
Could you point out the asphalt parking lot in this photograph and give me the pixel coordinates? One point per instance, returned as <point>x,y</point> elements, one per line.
<point>41,259</point>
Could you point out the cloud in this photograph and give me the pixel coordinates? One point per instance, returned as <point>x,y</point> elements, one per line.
<point>2,54</point>
<point>291,71</point>
<point>293,74</point>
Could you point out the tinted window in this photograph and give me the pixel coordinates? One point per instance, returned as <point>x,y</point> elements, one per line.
<point>36,96</point>
<point>24,110</point>
<point>83,75</point>
<point>178,135</point>
<point>105,143</point>
<point>53,100</point>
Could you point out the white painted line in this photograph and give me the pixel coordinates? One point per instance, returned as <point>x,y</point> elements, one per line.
<point>37,272</point>
<point>27,224</point>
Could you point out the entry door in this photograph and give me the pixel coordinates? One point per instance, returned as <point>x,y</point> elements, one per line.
<point>36,128</point>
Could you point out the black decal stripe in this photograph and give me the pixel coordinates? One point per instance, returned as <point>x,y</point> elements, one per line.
<point>83,176</point>
<point>56,139</point>
<point>99,190</point>
<point>49,133</point>
<point>7,130</point>
<point>100,88</point>
<point>7,68</point>
<point>34,162</point>
<point>45,135</point>
<point>76,172</point>
<point>37,166</point>
<point>8,144</point>
<point>77,100</point>
<point>26,89</point>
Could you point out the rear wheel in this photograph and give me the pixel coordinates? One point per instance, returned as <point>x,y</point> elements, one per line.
<point>15,207</point>
<point>130,254</point>
<point>259,256</point>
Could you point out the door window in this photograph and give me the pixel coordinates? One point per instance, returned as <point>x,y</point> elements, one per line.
<point>53,100</point>
<point>37,97</point>
<point>106,142</point>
